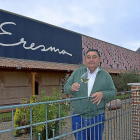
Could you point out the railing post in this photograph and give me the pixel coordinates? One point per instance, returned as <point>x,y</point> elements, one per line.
<point>136,110</point>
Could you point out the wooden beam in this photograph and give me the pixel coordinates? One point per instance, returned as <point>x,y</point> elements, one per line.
<point>33,82</point>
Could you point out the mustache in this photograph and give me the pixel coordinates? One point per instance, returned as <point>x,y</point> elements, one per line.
<point>91,63</point>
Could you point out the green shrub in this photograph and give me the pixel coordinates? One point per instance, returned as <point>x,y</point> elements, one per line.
<point>121,80</point>
<point>63,81</point>
<point>38,114</point>
<point>17,121</point>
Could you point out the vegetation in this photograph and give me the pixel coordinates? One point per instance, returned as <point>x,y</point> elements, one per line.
<point>38,115</point>
<point>7,114</point>
<point>17,121</point>
<point>122,79</point>
<point>63,82</point>
<point>123,96</point>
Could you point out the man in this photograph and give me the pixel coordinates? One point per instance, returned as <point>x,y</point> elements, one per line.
<point>90,111</point>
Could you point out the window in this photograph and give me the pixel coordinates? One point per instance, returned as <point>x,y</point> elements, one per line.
<point>36,87</point>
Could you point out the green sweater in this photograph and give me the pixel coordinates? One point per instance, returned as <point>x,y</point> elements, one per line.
<point>103,83</point>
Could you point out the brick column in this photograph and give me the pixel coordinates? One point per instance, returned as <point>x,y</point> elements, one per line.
<point>136,107</point>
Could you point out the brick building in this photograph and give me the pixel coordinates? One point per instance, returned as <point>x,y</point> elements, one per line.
<point>34,56</point>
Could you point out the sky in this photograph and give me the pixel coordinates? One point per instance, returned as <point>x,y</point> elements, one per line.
<point>113,21</point>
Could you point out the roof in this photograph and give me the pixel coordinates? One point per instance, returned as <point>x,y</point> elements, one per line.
<point>11,63</point>
<point>32,64</point>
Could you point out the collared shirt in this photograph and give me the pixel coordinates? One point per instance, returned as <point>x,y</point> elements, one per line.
<point>92,79</point>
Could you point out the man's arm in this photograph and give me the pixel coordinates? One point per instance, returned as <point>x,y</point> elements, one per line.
<point>111,92</point>
<point>106,95</point>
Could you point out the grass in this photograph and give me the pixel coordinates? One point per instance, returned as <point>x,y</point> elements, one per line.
<point>4,115</point>
<point>123,96</point>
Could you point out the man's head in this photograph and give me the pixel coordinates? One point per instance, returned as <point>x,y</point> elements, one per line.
<point>92,59</point>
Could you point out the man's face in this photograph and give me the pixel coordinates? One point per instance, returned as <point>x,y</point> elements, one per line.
<point>92,60</point>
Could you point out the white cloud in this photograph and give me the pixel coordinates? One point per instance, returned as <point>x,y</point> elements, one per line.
<point>116,22</point>
<point>132,45</point>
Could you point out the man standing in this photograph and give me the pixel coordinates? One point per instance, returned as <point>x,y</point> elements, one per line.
<point>99,89</point>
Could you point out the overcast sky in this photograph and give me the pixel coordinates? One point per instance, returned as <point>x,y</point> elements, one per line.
<point>113,21</point>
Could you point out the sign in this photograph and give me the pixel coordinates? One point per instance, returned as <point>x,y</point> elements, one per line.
<point>24,38</point>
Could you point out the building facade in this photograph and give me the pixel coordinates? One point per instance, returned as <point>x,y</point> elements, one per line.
<point>34,56</point>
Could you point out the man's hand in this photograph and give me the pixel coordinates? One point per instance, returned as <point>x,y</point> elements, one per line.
<point>75,87</point>
<point>97,97</point>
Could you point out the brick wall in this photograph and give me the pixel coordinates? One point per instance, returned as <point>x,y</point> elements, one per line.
<point>135,87</point>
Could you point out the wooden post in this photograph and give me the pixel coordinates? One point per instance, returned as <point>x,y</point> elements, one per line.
<point>135,88</point>
<point>33,82</point>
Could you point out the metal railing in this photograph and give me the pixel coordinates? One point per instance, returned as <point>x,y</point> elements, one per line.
<point>118,123</point>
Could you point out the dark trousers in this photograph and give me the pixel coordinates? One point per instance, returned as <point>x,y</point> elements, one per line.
<point>92,133</point>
